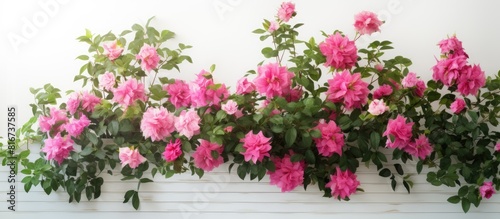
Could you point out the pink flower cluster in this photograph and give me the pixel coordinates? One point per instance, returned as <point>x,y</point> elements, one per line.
<point>130,156</point>
<point>399,135</point>
<point>367,22</point>
<point>158,123</point>
<point>75,127</point>
<point>203,157</point>
<point>256,146</point>
<point>273,80</point>
<point>204,92</point>
<point>287,175</point>
<point>82,100</point>
<point>412,82</point>
<point>343,183</point>
<point>331,140</point>
<point>340,52</point>
<point>55,122</point>
<point>453,69</point>
<point>58,148</point>
<point>128,92</point>
<point>172,150</point>
<point>112,50</point>
<point>149,58</point>
<point>349,89</point>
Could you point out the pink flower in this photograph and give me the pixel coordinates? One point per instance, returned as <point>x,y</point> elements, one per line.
<point>216,94</point>
<point>448,70</point>
<point>410,80</point>
<point>273,26</point>
<point>343,183</point>
<point>377,107</point>
<point>203,158</point>
<point>366,22</point>
<point>287,175</point>
<point>257,146</point>
<point>188,123</point>
<point>349,89</point>
<point>172,150</point>
<point>400,131</point>
<point>89,101</point>
<point>379,67</point>
<point>340,52</point>
<point>112,50</point>
<point>179,93</point>
<point>228,129</point>
<point>471,80</point>
<point>272,79</point>
<point>130,156</point>
<point>243,86</point>
<point>107,81</point>
<point>487,190</point>
<point>497,147</point>
<point>457,106</point>
<point>286,11</point>
<point>230,107</point>
<point>420,88</point>
<point>73,102</point>
<point>452,47</point>
<point>157,123</point>
<point>293,95</point>
<point>58,148</point>
<point>382,91</point>
<point>149,58</point>
<point>420,148</point>
<point>56,121</point>
<point>76,126</point>
<point>128,92</point>
<point>331,140</point>
<point>204,92</point>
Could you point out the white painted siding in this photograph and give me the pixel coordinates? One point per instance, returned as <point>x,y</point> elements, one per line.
<point>220,31</point>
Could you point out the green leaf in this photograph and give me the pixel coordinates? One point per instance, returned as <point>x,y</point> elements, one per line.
<point>135,200</point>
<point>310,158</point>
<point>146,180</point>
<point>242,171</point>
<point>462,192</point>
<point>385,173</point>
<point>465,205</point>
<point>407,186</point>
<point>114,127</point>
<point>83,57</point>
<point>290,136</point>
<point>297,157</point>
<point>454,199</point>
<point>375,139</point>
<point>399,169</point>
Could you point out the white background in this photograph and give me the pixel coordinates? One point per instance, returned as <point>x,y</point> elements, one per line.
<point>38,46</point>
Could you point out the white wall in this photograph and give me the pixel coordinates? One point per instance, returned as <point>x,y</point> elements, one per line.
<point>220,31</point>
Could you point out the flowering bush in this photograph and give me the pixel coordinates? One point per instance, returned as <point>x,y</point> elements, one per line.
<point>281,121</point>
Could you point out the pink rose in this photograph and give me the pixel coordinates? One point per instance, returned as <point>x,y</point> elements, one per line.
<point>471,80</point>
<point>448,70</point>
<point>379,67</point>
<point>487,190</point>
<point>256,146</point>
<point>287,174</point>
<point>452,47</point>
<point>382,91</point>
<point>204,92</point>
<point>58,148</point>
<point>203,157</point>
<point>340,52</point>
<point>293,95</point>
<point>421,148</point>
<point>76,126</point>
<point>273,26</point>
<point>243,86</point>
<point>149,58</point>
<point>56,121</point>
<point>112,50</point>
<point>420,88</point>
<point>331,140</point>
<point>400,131</point>
<point>409,80</point>
<point>343,183</point>
<point>286,11</point>
<point>130,156</point>
<point>230,107</point>
<point>89,101</point>
<point>497,147</point>
<point>457,106</point>
<point>172,150</point>
<point>128,92</point>
<point>272,80</point>
<point>73,102</point>
<point>366,22</point>
<point>188,123</point>
<point>179,93</point>
<point>157,123</point>
<point>228,129</point>
<point>377,107</point>
<point>349,89</point>
<point>107,81</point>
